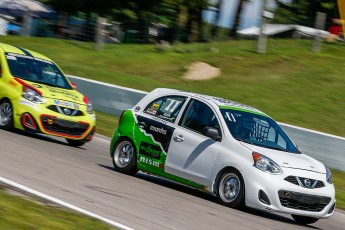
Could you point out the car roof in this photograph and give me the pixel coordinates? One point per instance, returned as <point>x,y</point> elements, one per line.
<point>220,102</point>
<point>18,50</point>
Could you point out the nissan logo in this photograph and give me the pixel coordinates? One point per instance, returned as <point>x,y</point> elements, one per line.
<point>67,111</point>
<point>307,182</point>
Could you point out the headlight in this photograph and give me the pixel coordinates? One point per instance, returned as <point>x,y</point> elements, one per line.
<point>32,95</point>
<point>266,164</point>
<point>328,176</point>
<point>89,108</point>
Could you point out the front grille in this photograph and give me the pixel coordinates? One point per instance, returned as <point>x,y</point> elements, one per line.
<point>63,127</point>
<point>305,182</point>
<point>60,109</point>
<point>302,201</point>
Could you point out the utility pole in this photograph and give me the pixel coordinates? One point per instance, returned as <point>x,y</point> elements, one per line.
<point>262,39</point>
<point>319,25</point>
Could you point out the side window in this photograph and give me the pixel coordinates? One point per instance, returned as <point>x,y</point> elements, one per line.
<point>199,115</point>
<point>166,108</point>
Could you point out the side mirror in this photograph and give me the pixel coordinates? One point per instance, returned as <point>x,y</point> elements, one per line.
<point>74,86</point>
<point>212,133</point>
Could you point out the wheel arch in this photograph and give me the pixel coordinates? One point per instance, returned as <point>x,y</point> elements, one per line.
<point>223,169</point>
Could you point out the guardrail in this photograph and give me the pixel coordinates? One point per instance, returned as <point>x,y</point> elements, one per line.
<point>113,99</point>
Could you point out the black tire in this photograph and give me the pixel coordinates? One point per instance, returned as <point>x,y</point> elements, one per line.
<point>124,157</point>
<point>75,143</point>
<point>304,219</point>
<point>6,115</point>
<point>230,188</point>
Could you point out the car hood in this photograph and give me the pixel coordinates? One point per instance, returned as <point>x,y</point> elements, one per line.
<point>289,160</point>
<point>51,92</point>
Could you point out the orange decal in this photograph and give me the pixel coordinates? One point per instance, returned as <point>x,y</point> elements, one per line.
<point>13,83</point>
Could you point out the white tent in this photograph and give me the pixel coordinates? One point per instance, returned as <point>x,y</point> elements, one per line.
<point>274,29</point>
<point>18,8</point>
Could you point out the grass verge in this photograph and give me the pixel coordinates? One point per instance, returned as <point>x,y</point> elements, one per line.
<point>13,215</point>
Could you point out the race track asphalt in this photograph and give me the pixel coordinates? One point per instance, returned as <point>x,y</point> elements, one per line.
<point>84,177</point>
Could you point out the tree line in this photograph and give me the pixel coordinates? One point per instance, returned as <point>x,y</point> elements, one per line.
<point>184,18</point>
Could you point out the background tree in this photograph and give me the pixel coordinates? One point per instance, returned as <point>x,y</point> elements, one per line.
<point>303,12</point>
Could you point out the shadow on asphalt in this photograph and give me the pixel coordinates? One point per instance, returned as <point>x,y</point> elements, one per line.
<point>206,196</point>
<point>42,137</point>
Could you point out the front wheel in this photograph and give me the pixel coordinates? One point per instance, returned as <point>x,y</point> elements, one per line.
<point>75,143</point>
<point>304,219</point>
<point>6,115</point>
<point>230,188</point>
<point>124,157</point>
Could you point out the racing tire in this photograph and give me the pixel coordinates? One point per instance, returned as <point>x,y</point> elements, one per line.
<point>304,220</point>
<point>230,188</point>
<point>6,115</point>
<point>124,157</point>
<point>75,143</point>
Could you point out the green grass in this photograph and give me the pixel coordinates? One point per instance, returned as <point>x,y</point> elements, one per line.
<point>339,182</point>
<point>17,212</point>
<point>106,124</point>
<point>290,83</point>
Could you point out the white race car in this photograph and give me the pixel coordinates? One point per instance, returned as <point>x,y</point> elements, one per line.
<point>231,150</point>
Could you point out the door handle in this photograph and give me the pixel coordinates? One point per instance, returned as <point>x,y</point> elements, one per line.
<point>142,125</point>
<point>178,138</point>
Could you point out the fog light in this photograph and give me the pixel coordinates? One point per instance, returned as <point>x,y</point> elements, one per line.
<point>264,198</point>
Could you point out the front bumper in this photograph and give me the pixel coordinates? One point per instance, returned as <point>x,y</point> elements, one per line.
<point>42,118</point>
<point>287,197</point>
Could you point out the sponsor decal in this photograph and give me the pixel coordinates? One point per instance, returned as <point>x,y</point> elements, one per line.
<point>151,111</point>
<point>14,83</point>
<point>149,161</point>
<point>160,120</point>
<point>150,150</point>
<point>13,56</point>
<point>158,130</point>
<point>66,104</point>
<point>50,121</point>
<point>25,102</point>
<point>93,117</point>
<point>161,135</point>
<point>65,93</point>
<point>36,85</point>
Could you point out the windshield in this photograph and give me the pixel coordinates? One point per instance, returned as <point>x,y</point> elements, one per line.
<point>257,130</point>
<point>36,70</point>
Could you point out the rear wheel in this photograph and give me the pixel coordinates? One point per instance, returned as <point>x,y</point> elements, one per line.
<point>6,115</point>
<point>230,188</point>
<point>124,157</point>
<point>304,219</point>
<point>75,143</point>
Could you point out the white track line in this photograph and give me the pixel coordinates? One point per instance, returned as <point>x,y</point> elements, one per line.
<point>313,131</point>
<point>60,202</point>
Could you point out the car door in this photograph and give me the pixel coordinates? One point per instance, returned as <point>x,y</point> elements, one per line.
<point>156,125</point>
<point>192,154</point>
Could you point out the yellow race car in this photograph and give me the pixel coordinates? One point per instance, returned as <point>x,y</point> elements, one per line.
<point>36,96</point>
